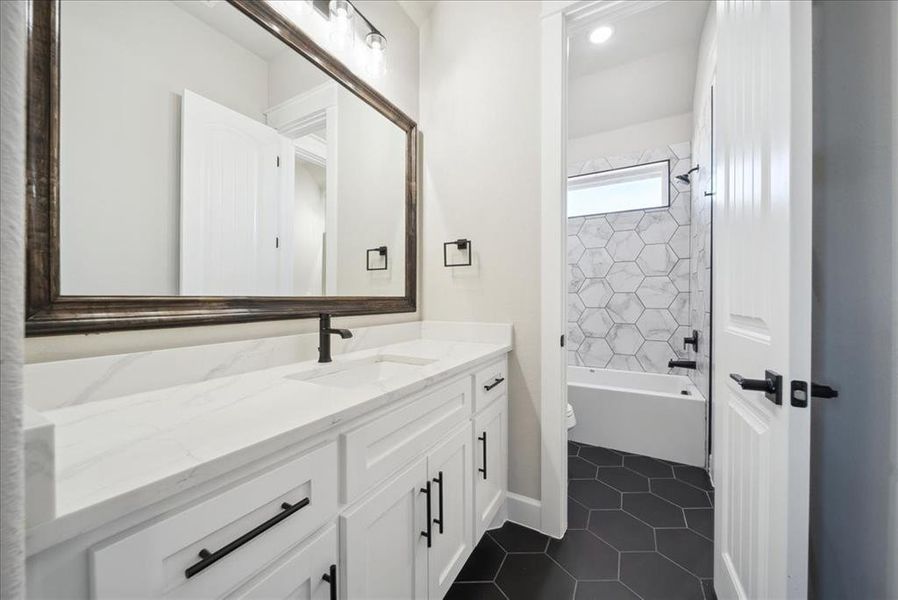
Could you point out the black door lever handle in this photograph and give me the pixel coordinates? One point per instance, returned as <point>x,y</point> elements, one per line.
<point>771,385</point>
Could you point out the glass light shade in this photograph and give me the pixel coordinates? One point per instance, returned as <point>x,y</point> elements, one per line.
<point>341,13</point>
<point>377,44</point>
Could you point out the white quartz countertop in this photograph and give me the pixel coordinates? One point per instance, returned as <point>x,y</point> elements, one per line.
<point>116,456</point>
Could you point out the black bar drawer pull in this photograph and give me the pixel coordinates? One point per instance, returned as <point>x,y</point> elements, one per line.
<point>210,558</point>
<point>331,578</point>
<point>482,438</point>
<point>497,381</point>
<point>439,479</point>
<point>427,534</point>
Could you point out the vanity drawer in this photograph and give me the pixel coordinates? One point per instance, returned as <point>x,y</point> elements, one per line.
<point>205,551</point>
<point>300,574</point>
<point>490,383</point>
<point>380,447</point>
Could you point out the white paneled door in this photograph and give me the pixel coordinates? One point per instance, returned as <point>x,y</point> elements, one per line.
<point>236,188</point>
<point>762,290</point>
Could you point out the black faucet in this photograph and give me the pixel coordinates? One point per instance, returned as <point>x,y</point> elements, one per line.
<point>681,364</point>
<point>324,337</point>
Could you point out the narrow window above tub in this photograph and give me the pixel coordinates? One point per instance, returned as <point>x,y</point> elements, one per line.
<point>618,190</point>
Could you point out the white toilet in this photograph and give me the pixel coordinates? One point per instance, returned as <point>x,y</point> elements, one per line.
<point>571,417</point>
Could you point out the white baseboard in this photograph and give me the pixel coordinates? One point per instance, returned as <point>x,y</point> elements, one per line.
<point>524,510</point>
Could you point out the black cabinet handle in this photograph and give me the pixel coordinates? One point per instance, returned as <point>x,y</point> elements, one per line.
<point>497,381</point>
<point>482,438</point>
<point>439,479</point>
<point>771,385</point>
<point>210,558</point>
<point>427,534</point>
<point>331,578</point>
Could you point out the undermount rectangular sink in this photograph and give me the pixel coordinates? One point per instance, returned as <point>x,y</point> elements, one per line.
<point>364,371</point>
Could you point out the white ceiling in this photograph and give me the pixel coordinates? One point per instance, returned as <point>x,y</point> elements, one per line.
<point>639,35</point>
<point>418,10</point>
<point>646,71</point>
<point>229,21</point>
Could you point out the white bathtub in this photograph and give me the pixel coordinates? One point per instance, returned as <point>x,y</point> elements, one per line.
<point>643,413</point>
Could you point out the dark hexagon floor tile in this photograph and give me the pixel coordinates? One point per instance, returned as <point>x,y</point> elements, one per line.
<point>708,589</point>
<point>688,549</point>
<point>701,520</point>
<point>623,479</point>
<point>577,515</point>
<point>584,556</point>
<point>681,494</point>
<point>621,530</point>
<point>593,494</point>
<point>484,562</point>
<point>534,577</point>
<point>517,538</point>
<point>647,466</point>
<point>654,577</point>
<point>653,510</point>
<point>474,591</point>
<point>604,590</point>
<point>572,448</point>
<point>694,476</point>
<point>601,456</point>
<point>577,468</point>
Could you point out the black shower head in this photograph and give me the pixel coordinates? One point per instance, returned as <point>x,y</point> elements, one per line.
<point>685,177</point>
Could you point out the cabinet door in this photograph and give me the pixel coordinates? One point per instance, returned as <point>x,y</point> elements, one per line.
<point>300,575</point>
<point>385,551</point>
<point>490,460</point>
<point>449,466</point>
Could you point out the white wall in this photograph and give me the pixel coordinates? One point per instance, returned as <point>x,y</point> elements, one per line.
<point>120,134</point>
<point>370,198</point>
<point>481,161</point>
<point>308,229</point>
<point>633,138</point>
<point>400,85</point>
<point>291,74</point>
<point>854,469</point>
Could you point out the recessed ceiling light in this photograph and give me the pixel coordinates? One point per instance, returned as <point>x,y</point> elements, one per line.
<point>601,34</point>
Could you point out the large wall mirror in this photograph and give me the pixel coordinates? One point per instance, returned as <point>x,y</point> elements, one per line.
<point>205,162</point>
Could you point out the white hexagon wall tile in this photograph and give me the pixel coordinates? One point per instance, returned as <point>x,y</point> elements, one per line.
<point>630,275</point>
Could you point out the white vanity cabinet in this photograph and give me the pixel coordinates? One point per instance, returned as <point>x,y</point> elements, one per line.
<point>491,460</point>
<point>207,550</point>
<point>449,467</point>
<point>308,573</point>
<point>411,538</point>
<point>389,504</point>
<point>384,551</point>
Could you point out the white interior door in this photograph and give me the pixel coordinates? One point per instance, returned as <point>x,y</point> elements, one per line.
<point>232,201</point>
<point>762,290</point>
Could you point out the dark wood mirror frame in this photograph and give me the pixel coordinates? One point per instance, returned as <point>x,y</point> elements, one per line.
<point>48,312</point>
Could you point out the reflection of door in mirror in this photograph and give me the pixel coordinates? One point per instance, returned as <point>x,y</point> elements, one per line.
<point>232,201</point>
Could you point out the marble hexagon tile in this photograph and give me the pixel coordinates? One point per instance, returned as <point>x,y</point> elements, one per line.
<point>630,274</point>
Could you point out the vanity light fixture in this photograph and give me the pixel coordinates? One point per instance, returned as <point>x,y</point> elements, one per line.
<point>601,34</point>
<point>460,244</point>
<point>341,14</point>
<point>377,44</point>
